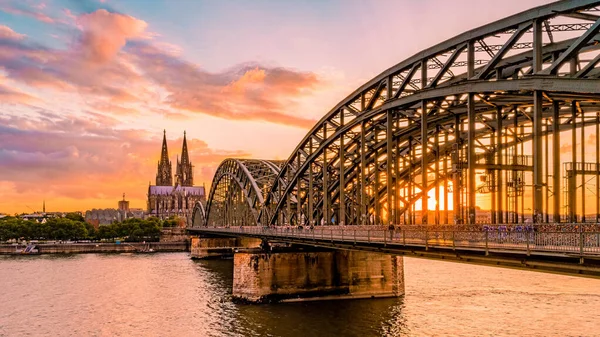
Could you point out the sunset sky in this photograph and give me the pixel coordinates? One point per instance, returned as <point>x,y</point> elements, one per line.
<point>87,87</point>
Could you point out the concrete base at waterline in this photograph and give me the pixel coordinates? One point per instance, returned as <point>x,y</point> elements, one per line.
<point>288,276</point>
<point>210,248</point>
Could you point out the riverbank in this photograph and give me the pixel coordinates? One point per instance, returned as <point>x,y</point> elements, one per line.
<point>93,247</point>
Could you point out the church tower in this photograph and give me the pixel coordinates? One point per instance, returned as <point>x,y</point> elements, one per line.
<point>164,176</point>
<point>185,175</point>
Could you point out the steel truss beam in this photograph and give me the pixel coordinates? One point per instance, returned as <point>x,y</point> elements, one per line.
<point>472,106</point>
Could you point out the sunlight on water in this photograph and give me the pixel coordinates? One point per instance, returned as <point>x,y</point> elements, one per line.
<point>169,295</point>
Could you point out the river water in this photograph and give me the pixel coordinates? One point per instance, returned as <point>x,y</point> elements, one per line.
<point>171,295</point>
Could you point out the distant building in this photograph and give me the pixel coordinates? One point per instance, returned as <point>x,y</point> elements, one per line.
<point>100,217</point>
<point>41,217</point>
<point>166,198</point>
<point>138,213</point>
<point>124,204</point>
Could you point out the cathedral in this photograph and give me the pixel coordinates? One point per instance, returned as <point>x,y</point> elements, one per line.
<point>166,198</point>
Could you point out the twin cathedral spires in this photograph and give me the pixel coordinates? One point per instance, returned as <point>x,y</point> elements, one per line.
<point>184,175</point>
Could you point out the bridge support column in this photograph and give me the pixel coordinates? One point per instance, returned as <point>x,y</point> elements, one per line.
<point>310,275</point>
<point>214,247</point>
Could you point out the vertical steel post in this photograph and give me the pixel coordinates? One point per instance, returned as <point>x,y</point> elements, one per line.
<point>546,175</point>
<point>377,182</point>
<point>514,172</point>
<point>556,161</point>
<point>437,174</point>
<point>424,148</point>
<point>456,186</point>
<point>445,170</point>
<point>310,194</point>
<point>597,168</point>
<point>390,161</point>
<point>471,156</point>
<point>363,168</point>
<point>325,173</point>
<point>470,59</point>
<point>289,199</point>
<point>583,166</point>
<point>299,197</point>
<point>537,156</point>
<point>410,180</point>
<point>424,164</point>
<point>342,187</point>
<point>523,194</point>
<point>500,184</point>
<point>395,181</point>
<point>572,193</point>
<point>537,45</point>
<point>492,160</point>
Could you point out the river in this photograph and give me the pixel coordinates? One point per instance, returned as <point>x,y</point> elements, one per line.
<point>172,295</point>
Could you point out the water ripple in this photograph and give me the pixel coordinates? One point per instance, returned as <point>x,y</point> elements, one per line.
<point>171,295</point>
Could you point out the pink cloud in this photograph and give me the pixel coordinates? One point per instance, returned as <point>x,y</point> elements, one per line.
<point>113,62</point>
<point>244,92</point>
<point>84,158</point>
<point>11,96</point>
<point>33,12</point>
<point>9,34</point>
<point>105,33</point>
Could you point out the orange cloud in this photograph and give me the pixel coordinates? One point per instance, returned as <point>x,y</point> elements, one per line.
<point>244,92</point>
<point>10,96</point>
<point>76,159</point>
<point>111,62</point>
<point>105,33</point>
<point>250,77</point>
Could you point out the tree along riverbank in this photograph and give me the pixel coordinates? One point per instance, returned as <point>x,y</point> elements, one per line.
<point>74,228</point>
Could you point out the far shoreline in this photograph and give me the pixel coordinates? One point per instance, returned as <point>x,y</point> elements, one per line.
<point>97,247</point>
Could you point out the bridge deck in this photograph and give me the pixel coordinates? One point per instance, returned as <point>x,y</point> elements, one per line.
<point>562,252</point>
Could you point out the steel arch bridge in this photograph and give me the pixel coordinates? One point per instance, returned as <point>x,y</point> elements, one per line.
<point>237,192</point>
<point>504,117</point>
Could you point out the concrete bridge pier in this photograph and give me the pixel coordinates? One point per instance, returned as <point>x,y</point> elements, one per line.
<point>292,274</point>
<point>219,247</point>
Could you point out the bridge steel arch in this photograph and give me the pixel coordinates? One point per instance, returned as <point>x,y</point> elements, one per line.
<point>495,102</point>
<point>199,215</point>
<point>237,192</point>
<point>493,116</point>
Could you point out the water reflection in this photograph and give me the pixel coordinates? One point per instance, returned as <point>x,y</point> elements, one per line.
<point>377,317</point>
<point>171,295</point>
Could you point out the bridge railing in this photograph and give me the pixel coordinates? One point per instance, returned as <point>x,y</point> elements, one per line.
<point>579,243</point>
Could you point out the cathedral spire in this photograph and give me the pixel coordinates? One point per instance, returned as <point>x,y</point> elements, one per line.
<point>164,176</point>
<point>184,167</point>
<point>185,159</point>
<point>164,156</point>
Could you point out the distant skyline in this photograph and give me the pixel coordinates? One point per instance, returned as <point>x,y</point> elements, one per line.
<point>87,87</point>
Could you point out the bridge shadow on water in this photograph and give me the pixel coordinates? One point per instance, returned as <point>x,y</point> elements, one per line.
<point>365,317</point>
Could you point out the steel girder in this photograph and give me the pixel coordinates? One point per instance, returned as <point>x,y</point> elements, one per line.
<point>238,189</point>
<point>440,118</point>
<point>199,215</point>
<point>353,137</point>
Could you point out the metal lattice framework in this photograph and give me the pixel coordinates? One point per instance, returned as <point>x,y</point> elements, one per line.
<point>237,192</point>
<point>493,116</point>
